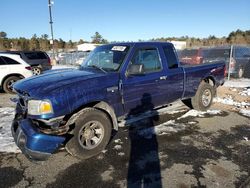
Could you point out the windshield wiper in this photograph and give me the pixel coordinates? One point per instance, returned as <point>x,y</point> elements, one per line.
<point>96,67</point>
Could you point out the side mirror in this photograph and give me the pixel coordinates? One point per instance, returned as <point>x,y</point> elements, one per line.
<point>135,69</point>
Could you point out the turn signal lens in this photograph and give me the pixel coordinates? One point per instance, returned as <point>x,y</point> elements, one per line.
<point>45,107</point>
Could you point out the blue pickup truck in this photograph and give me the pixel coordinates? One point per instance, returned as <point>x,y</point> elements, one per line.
<point>78,108</point>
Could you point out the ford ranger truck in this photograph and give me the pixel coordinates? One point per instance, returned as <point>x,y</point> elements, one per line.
<point>78,108</point>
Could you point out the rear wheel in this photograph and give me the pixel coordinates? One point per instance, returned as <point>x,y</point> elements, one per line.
<point>8,83</point>
<point>36,70</point>
<point>203,97</point>
<point>91,134</point>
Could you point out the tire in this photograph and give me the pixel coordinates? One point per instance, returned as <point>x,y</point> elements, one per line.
<point>7,84</point>
<point>91,126</point>
<point>36,70</point>
<point>203,97</point>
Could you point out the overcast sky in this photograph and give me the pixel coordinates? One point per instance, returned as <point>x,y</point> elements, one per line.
<point>127,20</point>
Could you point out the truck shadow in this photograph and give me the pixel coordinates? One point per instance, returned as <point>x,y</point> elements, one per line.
<point>144,164</point>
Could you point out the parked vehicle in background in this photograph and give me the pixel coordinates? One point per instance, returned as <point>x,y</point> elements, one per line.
<point>12,69</point>
<point>241,56</point>
<point>238,64</point>
<point>191,56</point>
<point>38,60</point>
<point>81,107</point>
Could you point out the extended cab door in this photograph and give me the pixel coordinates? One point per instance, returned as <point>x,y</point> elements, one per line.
<point>173,85</point>
<point>141,89</point>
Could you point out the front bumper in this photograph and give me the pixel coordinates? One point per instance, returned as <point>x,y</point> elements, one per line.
<point>35,145</point>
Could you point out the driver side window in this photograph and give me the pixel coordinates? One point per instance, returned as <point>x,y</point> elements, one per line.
<point>148,58</point>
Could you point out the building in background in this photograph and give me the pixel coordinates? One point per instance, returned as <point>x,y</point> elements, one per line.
<point>86,47</point>
<point>179,45</point>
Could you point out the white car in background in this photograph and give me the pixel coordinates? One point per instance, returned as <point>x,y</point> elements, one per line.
<point>12,69</point>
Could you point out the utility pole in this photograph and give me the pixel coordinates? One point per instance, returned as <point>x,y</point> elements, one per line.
<point>51,29</point>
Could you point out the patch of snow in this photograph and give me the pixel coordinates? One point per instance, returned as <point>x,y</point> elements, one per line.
<point>195,113</point>
<point>192,122</point>
<point>233,89</point>
<point>245,92</point>
<point>237,83</point>
<point>118,147</point>
<point>245,138</point>
<point>118,140</point>
<point>165,128</point>
<point>121,154</point>
<point>104,151</point>
<point>230,101</point>
<point>245,112</point>
<point>7,143</point>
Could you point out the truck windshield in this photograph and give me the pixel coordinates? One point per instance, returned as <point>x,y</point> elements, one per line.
<point>106,58</point>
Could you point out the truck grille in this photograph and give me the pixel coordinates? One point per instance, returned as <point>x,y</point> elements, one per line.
<point>23,105</point>
<point>22,102</point>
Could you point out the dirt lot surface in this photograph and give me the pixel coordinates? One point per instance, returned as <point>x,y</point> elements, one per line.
<point>173,148</point>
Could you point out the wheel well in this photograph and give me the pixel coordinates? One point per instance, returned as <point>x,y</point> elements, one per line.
<point>9,75</point>
<point>100,105</point>
<point>210,80</point>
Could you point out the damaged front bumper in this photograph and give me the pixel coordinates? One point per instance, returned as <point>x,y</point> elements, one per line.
<point>34,144</point>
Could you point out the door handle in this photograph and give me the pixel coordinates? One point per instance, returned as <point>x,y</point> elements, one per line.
<point>163,77</point>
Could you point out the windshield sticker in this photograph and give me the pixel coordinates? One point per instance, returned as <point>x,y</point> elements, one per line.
<point>119,48</point>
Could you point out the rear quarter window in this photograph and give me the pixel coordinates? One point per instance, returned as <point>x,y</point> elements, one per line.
<point>10,61</point>
<point>2,61</point>
<point>35,55</point>
<point>171,57</point>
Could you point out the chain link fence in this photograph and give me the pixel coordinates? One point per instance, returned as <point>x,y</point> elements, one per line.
<point>237,58</point>
<point>74,58</point>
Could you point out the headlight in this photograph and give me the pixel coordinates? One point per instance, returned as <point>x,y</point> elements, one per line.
<point>38,107</point>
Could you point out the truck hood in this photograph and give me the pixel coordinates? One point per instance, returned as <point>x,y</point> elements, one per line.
<point>52,80</point>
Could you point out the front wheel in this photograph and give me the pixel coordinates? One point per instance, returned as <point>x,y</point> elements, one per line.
<point>91,134</point>
<point>203,97</point>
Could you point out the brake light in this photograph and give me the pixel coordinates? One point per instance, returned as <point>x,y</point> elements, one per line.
<point>225,71</point>
<point>28,68</point>
<point>49,61</point>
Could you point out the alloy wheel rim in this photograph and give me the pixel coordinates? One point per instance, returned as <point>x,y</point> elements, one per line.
<point>91,135</point>
<point>36,71</point>
<point>206,97</point>
<point>10,84</point>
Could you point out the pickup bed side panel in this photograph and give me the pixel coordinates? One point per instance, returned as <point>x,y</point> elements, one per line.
<point>195,74</point>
